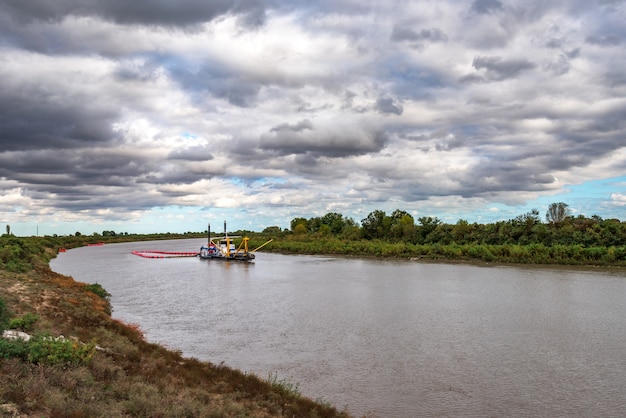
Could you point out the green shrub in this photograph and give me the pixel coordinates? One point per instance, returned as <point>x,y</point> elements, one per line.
<point>99,290</point>
<point>24,322</point>
<point>4,315</point>
<point>14,349</point>
<point>46,349</point>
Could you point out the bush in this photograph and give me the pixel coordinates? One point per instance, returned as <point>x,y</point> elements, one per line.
<point>23,323</point>
<point>14,349</point>
<point>99,290</point>
<point>4,315</point>
<point>46,349</point>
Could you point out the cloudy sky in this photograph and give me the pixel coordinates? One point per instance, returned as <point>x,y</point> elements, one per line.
<point>163,115</point>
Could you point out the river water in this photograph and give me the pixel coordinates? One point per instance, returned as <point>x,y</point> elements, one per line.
<point>383,338</point>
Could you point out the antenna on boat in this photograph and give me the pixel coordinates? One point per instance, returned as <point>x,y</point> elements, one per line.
<point>225,233</point>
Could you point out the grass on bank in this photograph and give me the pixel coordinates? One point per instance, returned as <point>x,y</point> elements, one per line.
<point>102,367</point>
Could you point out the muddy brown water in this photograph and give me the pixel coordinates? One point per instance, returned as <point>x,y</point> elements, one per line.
<point>384,338</point>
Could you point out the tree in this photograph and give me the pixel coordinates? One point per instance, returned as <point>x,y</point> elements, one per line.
<point>557,213</point>
<point>428,226</point>
<point>334,221</point>
<point>402,225</point>
<point>272,230</point>
<point>374,225</point>
<point>8,229</point>
<point>298,224</point>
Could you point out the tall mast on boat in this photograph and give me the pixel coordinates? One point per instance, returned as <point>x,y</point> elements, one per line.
<point>227,240</point>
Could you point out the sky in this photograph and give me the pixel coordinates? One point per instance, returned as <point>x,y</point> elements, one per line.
<point>162,116</point>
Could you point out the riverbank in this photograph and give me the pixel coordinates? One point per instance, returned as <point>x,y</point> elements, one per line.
<point>513,254</point>
<point>103,367</point>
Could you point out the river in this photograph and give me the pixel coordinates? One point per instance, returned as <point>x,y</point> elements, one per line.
<point>380,337</point>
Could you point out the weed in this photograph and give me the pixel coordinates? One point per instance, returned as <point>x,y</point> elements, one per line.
<point>24,322</point>
<point>283,386</point>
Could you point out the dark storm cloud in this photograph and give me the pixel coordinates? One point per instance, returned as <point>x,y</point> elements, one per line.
<point>194,153</point>
<point>304,138</point>
<point>52,166</point>
<point>498,68</point>
<point>298,127</point>
<point>406,33</point>
<point>386,105</point>
<point>486,6</point>
<point>605,40</point>
<point>141,12</point>
<point>39,118</point>
<point>210,77</point>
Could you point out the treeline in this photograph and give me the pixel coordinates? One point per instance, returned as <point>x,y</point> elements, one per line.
<point>560,239</point>
<point>560,228</point>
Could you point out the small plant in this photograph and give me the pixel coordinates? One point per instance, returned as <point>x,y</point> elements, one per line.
<point>99,290</point>
<point>24,322</point>
<point>283,386</point>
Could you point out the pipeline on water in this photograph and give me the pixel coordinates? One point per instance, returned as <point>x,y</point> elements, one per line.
<point>163,254</point>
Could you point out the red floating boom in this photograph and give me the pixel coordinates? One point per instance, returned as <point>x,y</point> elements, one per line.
<point>163,254</point>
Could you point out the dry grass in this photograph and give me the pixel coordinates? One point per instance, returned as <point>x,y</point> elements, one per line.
<point>130,377</point>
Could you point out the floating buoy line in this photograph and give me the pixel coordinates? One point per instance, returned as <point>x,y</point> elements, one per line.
<point>164,254</point>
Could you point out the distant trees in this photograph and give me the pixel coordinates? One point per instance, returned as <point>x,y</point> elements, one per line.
<point>557,213</point>
<point>525,229</point>
<point>398,226</point>
<point>272,230</point>
<point>332,223</point>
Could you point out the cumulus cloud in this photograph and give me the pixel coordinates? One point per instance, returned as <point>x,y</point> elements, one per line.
<point>498,68</point>
<point>618,199</point>
<point>486,6</point>
<point>304,107</point>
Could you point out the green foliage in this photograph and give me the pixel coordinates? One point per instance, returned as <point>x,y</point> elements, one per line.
<point>42,348</point>
<point>272,230</point>
<point>4,315</point>
<point>24,322</point>
<point>45,349</point>
<point>14,349</point>
<point>564,239</point>
<point>19,255</point>
<point>99,290</point>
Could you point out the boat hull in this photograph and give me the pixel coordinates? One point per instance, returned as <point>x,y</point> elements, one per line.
<point>237,257</point>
